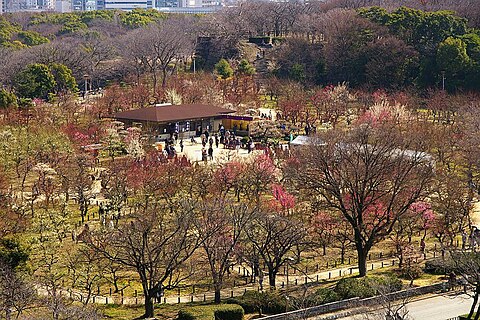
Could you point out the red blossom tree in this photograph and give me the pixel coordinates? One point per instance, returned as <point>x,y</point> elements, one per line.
<point>370,175</point>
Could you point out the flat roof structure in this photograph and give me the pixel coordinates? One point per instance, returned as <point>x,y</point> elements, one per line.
<point>172,113</point>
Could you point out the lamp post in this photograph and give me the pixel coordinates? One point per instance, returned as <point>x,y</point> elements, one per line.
<point>289,260</point>
<point>443,80</point>
<point>85,85</point>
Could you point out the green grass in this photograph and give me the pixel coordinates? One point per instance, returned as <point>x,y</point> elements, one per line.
<point>162,311</point>
<point>128,312</point>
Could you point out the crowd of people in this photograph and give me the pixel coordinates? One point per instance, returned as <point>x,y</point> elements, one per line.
<point>229,140</point>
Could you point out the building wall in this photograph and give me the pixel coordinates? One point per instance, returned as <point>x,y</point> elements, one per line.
<point>128,4</point>
<point>63,6</point>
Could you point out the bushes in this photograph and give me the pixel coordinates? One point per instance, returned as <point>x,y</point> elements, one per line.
<point>187,315</point>
<point>229,312</point>
<point>411,272</point>
<point>438,266</point>
<point>268,302</point>
<point>324,295</point>
<point>259,40</point>
<point>218,312</point>
<point>366,287</point>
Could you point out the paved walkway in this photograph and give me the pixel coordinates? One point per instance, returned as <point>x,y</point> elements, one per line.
<point>431,307</point>
<point>193,151</point>
<point>293,280</point>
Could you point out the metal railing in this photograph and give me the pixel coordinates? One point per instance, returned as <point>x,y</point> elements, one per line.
<point>354,303</point>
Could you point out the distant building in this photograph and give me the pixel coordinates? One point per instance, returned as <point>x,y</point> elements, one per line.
<point>127,5</point>
<point>63,6</point>
<point>189,10</point>
<point>169,3</point>
<point>27,5</point>
<point>84,5</point>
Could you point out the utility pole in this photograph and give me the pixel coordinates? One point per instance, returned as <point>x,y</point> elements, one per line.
<point>85,78</point>
<point>443,80</point>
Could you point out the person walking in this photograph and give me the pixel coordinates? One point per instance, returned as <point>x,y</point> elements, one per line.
<point>210,152</point>
<point>237,144</point>
<point>181,145</point>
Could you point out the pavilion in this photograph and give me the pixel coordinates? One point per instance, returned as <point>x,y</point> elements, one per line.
<point>186,119</point>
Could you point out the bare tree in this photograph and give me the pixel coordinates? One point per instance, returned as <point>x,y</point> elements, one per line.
<point>389,307</point>
<point>369,175</point>
<point>16,295</point>
<point>81,182</point>
<point>467,265</point>
<point>85,273</point>
<point>154,243</point>
<point>158,46</point>
<point>273,237</point>
<point>225,222</point>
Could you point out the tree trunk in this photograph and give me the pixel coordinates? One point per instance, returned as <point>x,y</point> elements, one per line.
<point>474,304</point>
<point>477,315</point>
<point>148,307</point>
<point>217,295</point>
<point>271,278</point>
<point>362,260</point>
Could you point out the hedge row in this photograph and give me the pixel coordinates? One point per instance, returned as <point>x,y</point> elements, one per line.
<point>270,302</point>
<point>216,312</point>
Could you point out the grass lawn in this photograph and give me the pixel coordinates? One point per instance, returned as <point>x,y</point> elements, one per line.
<point>123,312</point>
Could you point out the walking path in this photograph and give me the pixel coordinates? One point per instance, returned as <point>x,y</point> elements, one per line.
<point>193,151</point>
<point>293,280</point>
<point>431,307</point>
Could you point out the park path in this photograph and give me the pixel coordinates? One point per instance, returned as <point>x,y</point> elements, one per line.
<point>430,307</point>
<point>293,280</point>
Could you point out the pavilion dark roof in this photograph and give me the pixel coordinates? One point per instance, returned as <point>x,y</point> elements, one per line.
<point>171,113</point>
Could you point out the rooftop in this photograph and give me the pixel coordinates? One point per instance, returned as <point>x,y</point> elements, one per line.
<point>172,113</point>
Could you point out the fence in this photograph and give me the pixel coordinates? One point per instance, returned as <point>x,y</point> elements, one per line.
<point>353,303</point>
<point>202,292</point>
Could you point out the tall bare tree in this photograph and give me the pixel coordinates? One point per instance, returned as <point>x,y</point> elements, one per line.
<point>159,46</point>
<point>274,237</point>
<point>371,175</point>
<point>154,243</point>
<point>223,224</point>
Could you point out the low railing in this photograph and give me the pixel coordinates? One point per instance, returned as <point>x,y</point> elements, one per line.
<point>354,303</point>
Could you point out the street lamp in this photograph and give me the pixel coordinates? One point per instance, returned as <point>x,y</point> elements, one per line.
<point>289,260</point>
<point>85,78</point>
<point>443,80</point>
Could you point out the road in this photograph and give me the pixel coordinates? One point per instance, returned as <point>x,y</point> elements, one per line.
<point>437,307</point>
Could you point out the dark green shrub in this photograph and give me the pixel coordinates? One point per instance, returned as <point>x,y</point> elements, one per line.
<point>269,302</point>
<point>12,252</point>
<point>229,312</point>
<point>438,266</point>
<point>366,287</point>
<point>247,305</point>
<point>186,315</point>
<point>316,298</point>
<point>411,272</point>
<point>324,295</point>
<point>212,312</point>
<point>277,40</point>
<point>259,40</point>
<point>352,287</point>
